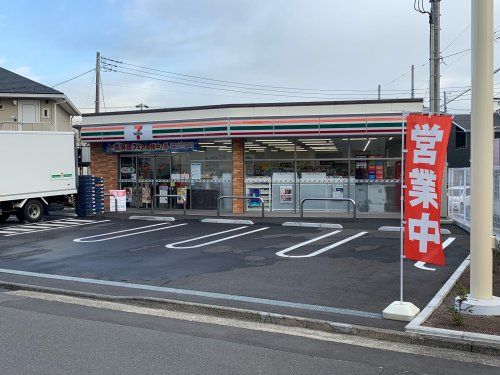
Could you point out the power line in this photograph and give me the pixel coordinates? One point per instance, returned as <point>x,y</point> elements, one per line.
<point>90,89</point>
<point>79,75</point>
<point>457,37</point>
<point>225,83</point>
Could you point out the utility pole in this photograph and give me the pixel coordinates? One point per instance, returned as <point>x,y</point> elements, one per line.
<point>141,106</point>
<point>435,55</point>
<point>378,92</point>
<point>97,81</point>
<point>445,108</point>
<point>481,206</point>
<point>413,81</point>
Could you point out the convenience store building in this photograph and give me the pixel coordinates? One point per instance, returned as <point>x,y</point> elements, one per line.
<point>280,152</point>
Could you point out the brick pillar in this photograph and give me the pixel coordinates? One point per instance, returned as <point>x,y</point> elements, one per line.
<point>106,166</point>
<point>238,174</point>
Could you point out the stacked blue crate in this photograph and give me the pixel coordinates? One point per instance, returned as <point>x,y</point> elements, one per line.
<point>90,197</point>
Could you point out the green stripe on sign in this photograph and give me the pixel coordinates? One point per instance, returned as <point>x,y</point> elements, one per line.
<point>215,128</point>
<point>101,134</point>
<point>161,131</point>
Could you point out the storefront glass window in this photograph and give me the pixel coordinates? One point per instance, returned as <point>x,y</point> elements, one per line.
<point>322,148</point>
<point>270,148</point>
<point>376,147</point>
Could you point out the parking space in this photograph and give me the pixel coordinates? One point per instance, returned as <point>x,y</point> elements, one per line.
<point>336,273</point>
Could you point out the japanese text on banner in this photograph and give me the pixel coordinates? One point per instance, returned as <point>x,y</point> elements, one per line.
<point>426,144</point>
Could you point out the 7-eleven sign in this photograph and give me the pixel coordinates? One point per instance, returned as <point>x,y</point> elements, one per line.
<point>139,132</point>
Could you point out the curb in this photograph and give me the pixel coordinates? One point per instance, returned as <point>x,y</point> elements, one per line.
<point>462,344</point>
<point>227,221</point>
<point>151,218</point>
<point>311,225</point>
<point>490,344</point>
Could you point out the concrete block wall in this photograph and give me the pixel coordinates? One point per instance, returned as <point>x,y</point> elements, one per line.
<point>106,166</point>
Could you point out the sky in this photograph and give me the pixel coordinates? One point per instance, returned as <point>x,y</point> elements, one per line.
<point>236,51</point>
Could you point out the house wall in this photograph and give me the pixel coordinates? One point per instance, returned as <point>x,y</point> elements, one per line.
<point>10,113</point>
<point>63,120</point>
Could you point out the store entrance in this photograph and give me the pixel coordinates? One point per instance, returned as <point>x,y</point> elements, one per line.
<point>143,177</point>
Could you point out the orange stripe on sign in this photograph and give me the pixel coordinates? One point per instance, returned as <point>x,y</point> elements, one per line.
<point>191,123</point>
<point>254,122</point>
<point>103,128</point>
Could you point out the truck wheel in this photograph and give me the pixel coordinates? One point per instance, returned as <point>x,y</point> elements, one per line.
<point>33,211</point>
<point>4,217</point>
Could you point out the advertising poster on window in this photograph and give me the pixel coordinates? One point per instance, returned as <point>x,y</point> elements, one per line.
<point>337,191</point>
<point>196,171</point>
<point>426,142</point>
<point>181,190</point>
<point>286,194</point>
<point>120,203</point>
<point>146,195</point>
<point>254,192</point>
<point>163,191</point>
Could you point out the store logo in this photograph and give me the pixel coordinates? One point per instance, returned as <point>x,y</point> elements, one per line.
<point>138,131</point>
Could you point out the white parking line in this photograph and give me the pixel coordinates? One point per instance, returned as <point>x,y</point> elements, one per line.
<point>282,253</point>
<point>174,245</point>
<point>18,230</point>
<point>422,265</point>
<point>164,226</point>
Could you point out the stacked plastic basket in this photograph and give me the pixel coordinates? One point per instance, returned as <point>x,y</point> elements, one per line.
<point>90,197</point>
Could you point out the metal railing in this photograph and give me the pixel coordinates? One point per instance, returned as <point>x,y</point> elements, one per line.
<point>239,197</point>
<point>26,126</point>
<point>168,196</point>
<point>328,199</point>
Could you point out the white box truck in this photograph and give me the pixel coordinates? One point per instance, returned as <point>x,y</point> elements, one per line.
<point>38,171</point>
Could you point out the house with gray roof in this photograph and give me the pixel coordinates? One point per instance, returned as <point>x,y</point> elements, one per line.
<point>459,142</point>
<point>31,106</point>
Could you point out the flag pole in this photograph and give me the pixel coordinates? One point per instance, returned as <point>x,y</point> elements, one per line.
<point>400,310</point>
<point>402,228</point>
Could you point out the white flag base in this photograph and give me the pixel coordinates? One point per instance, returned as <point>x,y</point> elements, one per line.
<point>404,311</point>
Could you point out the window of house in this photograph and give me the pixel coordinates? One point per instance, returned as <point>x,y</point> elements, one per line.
<point>460,139</point>
<point>45,113</point>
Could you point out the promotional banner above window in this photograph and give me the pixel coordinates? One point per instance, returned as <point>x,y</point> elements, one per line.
<point>426,145</point>
<point>166,146</point>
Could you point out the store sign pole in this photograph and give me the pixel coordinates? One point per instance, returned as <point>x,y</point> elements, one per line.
<point>423,153</point>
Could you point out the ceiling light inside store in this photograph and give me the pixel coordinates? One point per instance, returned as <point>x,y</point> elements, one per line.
<point>314,139</point>
<point>366,146</point>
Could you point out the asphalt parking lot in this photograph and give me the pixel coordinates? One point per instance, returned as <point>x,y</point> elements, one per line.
<point>345,275</point>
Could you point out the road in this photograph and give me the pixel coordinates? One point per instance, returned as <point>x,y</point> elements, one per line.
<point>47,334</point>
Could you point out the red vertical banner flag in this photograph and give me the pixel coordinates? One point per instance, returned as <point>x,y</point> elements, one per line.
<point>426,145</point>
